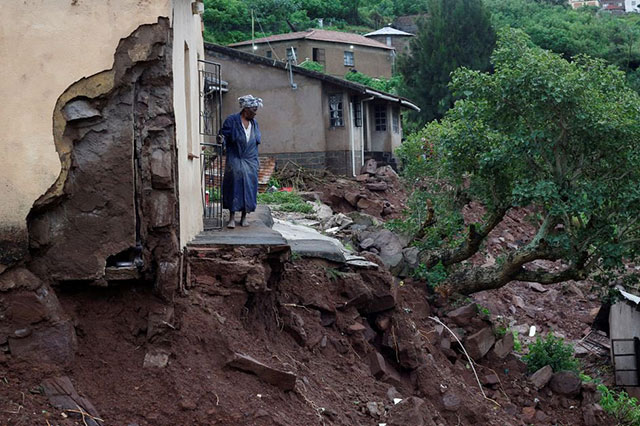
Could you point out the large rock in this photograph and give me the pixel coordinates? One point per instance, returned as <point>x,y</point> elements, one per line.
<point>566,383</point>
<point>451,401</point>
<point>463,315</point>
<point>541,377</point>
<point>285,380</point>
<point>504,346</point>
<point>478,344</point>
<point>360,218</point>
<point>54,343</point>
<point>370,166</point>
<point>322,211</point>
<point>377,186</point>
<point>409,411</point>
<point>390,246</point>
<point>161,169</point>
<point>383,371</point>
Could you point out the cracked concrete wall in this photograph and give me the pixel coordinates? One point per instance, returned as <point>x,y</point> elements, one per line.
<point>46,46</point>
<point>116,197</point>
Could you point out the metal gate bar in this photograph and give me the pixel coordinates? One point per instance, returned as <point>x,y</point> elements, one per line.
<point>210,120</point>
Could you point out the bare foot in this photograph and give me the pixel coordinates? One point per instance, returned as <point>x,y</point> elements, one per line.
<point>244,221</point>
<point>231,224</point>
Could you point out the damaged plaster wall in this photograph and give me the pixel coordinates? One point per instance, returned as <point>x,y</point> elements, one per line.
<point>115,200</point>
<point>46,45</point>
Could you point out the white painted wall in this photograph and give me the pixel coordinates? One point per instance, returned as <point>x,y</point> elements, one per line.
<point>187,31</point>
<point>632,5</point>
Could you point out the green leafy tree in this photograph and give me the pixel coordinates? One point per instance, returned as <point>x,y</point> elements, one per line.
<point>456,33</point>
<point>540,131</point>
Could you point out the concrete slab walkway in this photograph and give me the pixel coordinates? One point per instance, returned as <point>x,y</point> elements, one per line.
<point>258,233</point>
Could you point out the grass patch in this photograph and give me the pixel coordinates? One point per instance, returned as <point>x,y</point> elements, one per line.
<point>285,202</point>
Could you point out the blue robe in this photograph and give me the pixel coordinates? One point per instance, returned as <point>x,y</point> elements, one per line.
<point>240,182</point>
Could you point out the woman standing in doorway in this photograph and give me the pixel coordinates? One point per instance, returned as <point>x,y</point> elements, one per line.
<point>241,138</point>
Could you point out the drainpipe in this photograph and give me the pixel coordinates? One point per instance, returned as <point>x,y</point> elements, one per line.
<point>352,140</point>
<point>363,129</point>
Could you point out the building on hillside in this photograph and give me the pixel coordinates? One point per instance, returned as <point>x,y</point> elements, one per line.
<point>632,6</point>
<point>313,119</point>
<point>392,37</point>
<point>575,4</point>
<point>624,335</point>
<point>100,137</point>
<point>612,5</point>
<point>338,52</point>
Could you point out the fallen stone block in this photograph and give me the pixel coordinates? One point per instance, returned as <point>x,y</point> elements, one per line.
<point>370,166</point>
<point>541,377</point>
<point>285,380</point>
<point>504,346</point>
<point>480,343</point>
<point>565,383</point>
<point>463,315</point>
<point>382,371</point>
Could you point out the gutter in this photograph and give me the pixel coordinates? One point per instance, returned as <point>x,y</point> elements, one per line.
<point>402,102</point>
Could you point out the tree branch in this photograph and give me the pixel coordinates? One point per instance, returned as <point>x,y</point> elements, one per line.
<point>469,247</point>
<point>544,277</point>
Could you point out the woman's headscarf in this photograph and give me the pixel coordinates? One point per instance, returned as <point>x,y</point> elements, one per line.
<point>249,101</point>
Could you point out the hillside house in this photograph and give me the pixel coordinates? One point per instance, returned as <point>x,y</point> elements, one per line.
<point>311,118</point>
<point>338,52</point>
<point>575,4</point>
<point>390,36</point>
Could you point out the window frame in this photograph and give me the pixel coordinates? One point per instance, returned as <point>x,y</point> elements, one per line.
<point>380,117</point>
<point>349,54</point>
<point>336,116</point>
<point>357,112</point>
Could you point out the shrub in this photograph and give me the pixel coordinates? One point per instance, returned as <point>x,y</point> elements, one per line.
<point>285,201</point>
<point>551,351</point>
<point>620,405</point>
<point>434,276</point>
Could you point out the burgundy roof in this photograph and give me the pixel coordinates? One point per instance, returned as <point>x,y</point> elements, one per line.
<point>318,35</point>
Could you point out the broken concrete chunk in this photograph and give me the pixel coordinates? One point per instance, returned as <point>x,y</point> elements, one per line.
<point>162,208</point>
<point>79,109</point>
<point>156,359</point>
<point>541,377</point>
<point>285,380</point>
<point>480,343</point>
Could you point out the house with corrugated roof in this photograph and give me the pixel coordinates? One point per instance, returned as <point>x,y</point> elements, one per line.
<point>392,37</point>
<point>338,52</point>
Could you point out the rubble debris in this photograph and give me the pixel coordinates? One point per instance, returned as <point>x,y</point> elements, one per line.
<point>504,346</point>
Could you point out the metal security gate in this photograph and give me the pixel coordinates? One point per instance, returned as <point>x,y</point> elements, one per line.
<point>211,88</point>
<point>626,363</point>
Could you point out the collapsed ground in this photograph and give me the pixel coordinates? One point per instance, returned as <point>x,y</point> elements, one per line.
<point>263,338</point>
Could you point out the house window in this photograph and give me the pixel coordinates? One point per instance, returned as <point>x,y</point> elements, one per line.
<point>318,55</point>
<point>395,120</point>
<point>348,58</point>
<point>267,53</point>
<point>335,110</point>
<point>380,117</point>
<point>292,53</point>
<point>357,112</point>
<point>388,40</point>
